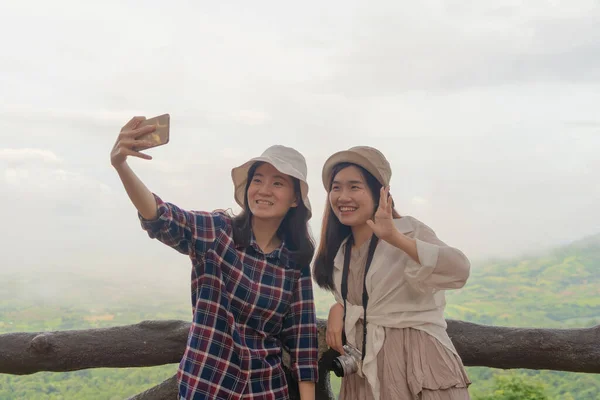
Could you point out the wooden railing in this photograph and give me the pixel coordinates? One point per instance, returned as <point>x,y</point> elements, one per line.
<point>151,343</point>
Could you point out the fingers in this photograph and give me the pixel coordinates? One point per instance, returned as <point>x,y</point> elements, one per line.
<point>371,224</point>
<point>127,147</point>
<point>382,199</point>
<point>334,339</point>
<point>133,123</point>
<point>126,143</point>
<point>132,144</point>
<point>337,344</point>
<point>385,199</point>
<point>129,152</point>
<point>135,133</point>
<point>143,130</point>
<point>330,339</point>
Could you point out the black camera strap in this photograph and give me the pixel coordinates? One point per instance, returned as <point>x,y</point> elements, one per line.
<point>365,295</point>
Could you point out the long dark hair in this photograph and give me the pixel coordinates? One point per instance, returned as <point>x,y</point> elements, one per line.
<point>333,232</point>
<point>293,228</point>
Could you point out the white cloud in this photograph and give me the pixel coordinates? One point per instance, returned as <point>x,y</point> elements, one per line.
<point>486,111</point>
<point>458,45</point>
<point>23,112</point>
<point>55,184</point>
<point>13,176</point>
<point>78,182</point>
<point>36,172</point>
<point>28,155</point>
<point>234,153</point>
<point>251,117</point>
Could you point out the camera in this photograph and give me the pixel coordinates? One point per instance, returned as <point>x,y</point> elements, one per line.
<point>349,363</point>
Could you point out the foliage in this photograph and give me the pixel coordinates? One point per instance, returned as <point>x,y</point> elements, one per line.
<point>515,387</point>
<point>559,289</point>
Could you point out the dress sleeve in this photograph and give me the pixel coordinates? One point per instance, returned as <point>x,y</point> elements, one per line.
<point>440,267</point>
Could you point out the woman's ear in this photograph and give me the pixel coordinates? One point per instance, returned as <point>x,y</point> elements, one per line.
<point>295,203</point>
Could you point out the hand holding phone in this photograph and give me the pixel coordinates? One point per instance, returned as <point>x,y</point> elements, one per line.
<point>140,134</point>
<point>160,136</point>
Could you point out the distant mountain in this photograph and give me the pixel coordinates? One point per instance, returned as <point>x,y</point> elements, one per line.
<point>587,242</point>
<point>558,289</point>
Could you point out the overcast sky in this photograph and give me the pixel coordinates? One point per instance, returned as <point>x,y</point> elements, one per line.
<point>487,111</point>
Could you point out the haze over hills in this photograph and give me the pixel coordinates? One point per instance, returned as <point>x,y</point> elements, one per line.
<point>559,288</point>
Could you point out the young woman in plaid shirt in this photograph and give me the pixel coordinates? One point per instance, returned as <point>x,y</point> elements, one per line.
<point>251,282</point>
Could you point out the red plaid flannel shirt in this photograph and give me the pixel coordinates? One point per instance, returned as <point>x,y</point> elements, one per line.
<point>246,306</point>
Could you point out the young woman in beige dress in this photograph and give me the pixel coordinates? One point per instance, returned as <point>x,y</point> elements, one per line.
<point>403,269</point>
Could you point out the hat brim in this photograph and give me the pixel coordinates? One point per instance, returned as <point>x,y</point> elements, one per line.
<point>348,156</point>
<point>239,175</point>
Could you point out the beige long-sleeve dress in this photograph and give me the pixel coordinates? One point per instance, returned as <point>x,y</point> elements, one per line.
<point>411,365</point>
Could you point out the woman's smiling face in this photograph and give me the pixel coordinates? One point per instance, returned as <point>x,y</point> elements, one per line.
<point>350,197</point>
<point>271,193</point>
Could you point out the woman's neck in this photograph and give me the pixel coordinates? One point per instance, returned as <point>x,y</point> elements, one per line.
<point>265,233</point>
<point>361,234</point>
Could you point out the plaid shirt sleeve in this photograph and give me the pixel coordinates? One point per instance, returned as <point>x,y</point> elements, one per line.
<point>188,232</point>
<point>299,334</point>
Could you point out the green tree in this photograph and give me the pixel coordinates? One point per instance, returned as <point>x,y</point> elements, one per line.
<point>515,387</point>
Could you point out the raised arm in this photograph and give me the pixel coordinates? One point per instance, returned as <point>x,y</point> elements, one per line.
<point>433,264</point>
<point>188,232</point>
<point>125,146</point>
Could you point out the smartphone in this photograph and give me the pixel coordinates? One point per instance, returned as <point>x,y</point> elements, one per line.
<point>160,136</point>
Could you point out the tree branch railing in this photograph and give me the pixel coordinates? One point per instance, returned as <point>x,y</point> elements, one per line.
<point>152,343</point>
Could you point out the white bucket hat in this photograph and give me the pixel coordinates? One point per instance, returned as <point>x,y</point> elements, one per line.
<point>285,159</point>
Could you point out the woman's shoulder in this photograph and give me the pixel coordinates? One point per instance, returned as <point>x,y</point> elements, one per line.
<point>224,218</point>
<point>219,219</point>
<point>222,213</point>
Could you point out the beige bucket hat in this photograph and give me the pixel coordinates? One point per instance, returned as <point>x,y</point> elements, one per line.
<point>367,157</point>
<point>285,159</point>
